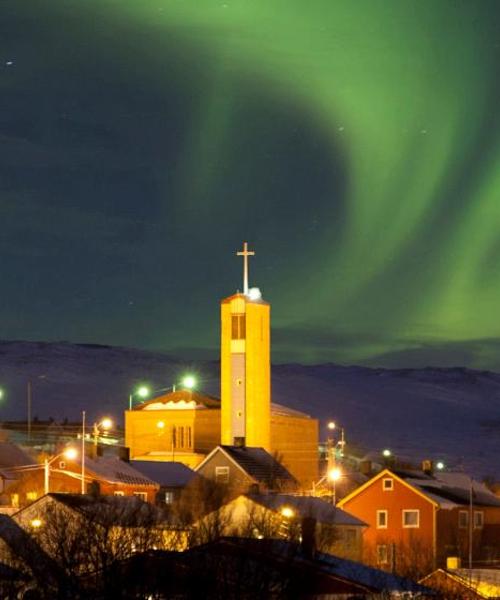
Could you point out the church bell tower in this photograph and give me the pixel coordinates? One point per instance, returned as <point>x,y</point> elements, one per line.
<point>245,366</point>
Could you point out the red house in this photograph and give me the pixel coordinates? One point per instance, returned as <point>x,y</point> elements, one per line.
<point>416,520</point>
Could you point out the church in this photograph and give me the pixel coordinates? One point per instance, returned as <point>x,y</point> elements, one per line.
<point>186,425</point>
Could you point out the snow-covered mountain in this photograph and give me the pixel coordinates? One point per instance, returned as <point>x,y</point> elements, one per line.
<point>450,414</point>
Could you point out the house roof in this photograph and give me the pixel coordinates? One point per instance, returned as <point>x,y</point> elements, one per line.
<point>118,510</point>
<point>483,582</point>
<point>113,470</point>
<point>255,462</point>
<point>166,474</point>
<point>308,506</point>
<point>454,489</point>
<point>346,570</point>
<point>13,456</point>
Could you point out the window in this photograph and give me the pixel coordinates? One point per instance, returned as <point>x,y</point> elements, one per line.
<point>189,440</point>
<point>174,437</point>
<point>181,437</point>
<point>62,464</point>
<point>142,495</point>
<point>382,554</point>
<point>463,519</point>
<point>119,493</point>
<point>222,474</point>
<point>381,519</point>
<point>169,497</point>
<point>411,518</point>
<point>31,495</point>
<point>478,519</point>
<point>14,499</point>
<point>387,484</point>
<point>238,327</point>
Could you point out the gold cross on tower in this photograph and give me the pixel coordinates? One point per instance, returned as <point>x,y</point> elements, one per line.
<point>245,253</point>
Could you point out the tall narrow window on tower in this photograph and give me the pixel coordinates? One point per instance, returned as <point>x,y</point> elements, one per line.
<point>238,327</point>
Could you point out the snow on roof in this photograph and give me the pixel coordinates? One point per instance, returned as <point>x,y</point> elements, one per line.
<point>13,456</point>
<point>114,470</point>
<point>308,506</point>
<point>453,489</point>
<point>167,474</point>
<point>486,581</point>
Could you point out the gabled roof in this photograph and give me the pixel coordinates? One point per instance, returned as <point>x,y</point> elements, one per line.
<point>166,474</point>
<point>116,510</point>
<point>386,473</point>
<point>256,463</point>
<point>13,456</point>
<point>113,470</point>
<point>307,506</point>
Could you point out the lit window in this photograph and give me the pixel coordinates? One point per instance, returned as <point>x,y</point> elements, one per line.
<point>222,474</point>
<point>411,518</point>
<point>387,484</point>
<point>478,519</point>
<point>142,495</point>
<point>31,495</point>
<point>119,493</point>
<point>381,519</point>
<point>238,327</point>
<point>463,519</point>
<point>14,498</point>
<point>62,464</point>
<point>169,497</point>
<point>382,554</point>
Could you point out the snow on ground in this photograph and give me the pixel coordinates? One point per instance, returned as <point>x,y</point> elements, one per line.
<point>448,414</point>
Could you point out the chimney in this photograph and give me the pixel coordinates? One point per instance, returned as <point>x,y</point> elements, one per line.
<point>427,467</point>
<point>124,453</point>
<point>365,467</point>
<point>308,543</point>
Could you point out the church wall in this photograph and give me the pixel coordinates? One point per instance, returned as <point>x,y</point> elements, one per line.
<point>258,382</point>
<point>207,430</point>
<point>294,441</point>
<point>143,433</point>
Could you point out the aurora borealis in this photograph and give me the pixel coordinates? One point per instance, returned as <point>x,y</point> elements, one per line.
<point>355,145</point>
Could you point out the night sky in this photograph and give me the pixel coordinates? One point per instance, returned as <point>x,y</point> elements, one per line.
<point>355,145</point>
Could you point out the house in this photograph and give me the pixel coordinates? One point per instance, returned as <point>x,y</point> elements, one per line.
<point>172,477</point>
<point>283,516</point>
<point>244,469</point>
<point>117,524</point>
<point>416,520</point>
<point>466,584</point>
<point>103,475</point>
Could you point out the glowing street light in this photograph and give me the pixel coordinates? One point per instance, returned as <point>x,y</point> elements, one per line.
<point>440,465</point>
<point>142,392</point>
<point>105,425</point>
<point>189,382</point>
<point>287,512</point>
<point>386,453</point>
<point>334,475</point>
<point>69,453</point>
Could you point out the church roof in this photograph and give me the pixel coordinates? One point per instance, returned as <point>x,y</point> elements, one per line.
<point>246,298</point>
<point>259,464</point>
<point>183,398</point>
<point>279,409</point>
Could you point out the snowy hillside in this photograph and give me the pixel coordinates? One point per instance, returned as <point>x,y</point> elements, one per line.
<point>450,414</point>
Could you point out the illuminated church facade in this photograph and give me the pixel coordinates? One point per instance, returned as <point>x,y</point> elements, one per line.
<point>186,425</point>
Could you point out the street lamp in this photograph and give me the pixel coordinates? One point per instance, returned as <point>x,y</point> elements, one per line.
<point>334,475</point>
<point>143,392</point>
<point>104,425</point>
<point>69,453</point>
